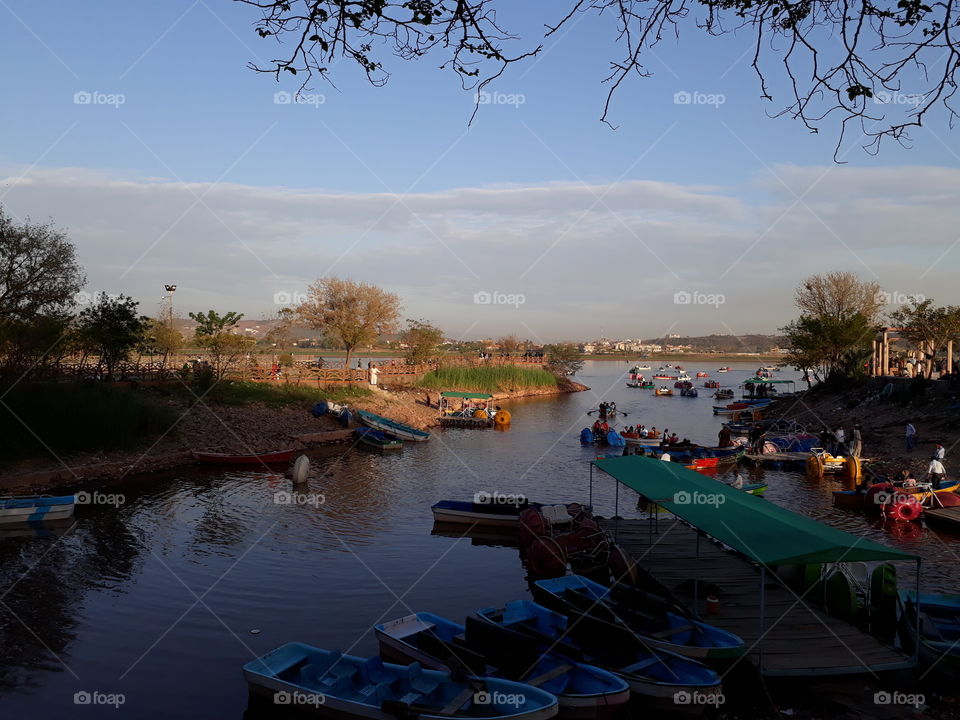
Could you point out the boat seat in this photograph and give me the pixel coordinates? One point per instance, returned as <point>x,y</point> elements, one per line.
<point>556,514</point>
<point>672,631</point>
<point>457,701</point>
<point>549,675</point>
<point>420,684</point>
<point>641,664</point>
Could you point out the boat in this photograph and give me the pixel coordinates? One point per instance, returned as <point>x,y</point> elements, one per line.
<point>583,691</point>
<point>492,510</point>
<point>36,510</point>
<point>663,391</point>
<point>724,369</point>
<point>642,384</point>
<point>377,439</point>
<point>265,458</point>
<point>662,376</point>
<point>623,615</point>
<point>392,427</point>
<point>330,683</point>
<point>651,673</point>
<point>688,392</point>
<point>684,377</point>
<point>726,394</point>
<point>702,374</point>
<point>939,630</point>
<point>739,407</point>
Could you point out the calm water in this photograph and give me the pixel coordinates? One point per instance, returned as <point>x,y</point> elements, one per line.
<point>165,597</point>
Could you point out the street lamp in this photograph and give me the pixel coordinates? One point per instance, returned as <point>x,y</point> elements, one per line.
<point>170,289</point>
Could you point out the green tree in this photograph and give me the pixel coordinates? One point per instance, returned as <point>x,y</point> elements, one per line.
<point>214,334</point>
<point>111,328</point>
<point>563,359</point>
<point>212,323</point>
<point>352,313</point>
<point>422,340</point>
<point>929,327</point>
<point>828,348</point>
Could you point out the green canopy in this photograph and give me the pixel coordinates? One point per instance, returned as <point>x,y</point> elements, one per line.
<point>766,381</point>
<point>466,395</point>
<point>764,532</point>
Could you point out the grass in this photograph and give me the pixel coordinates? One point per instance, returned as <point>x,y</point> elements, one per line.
<point>65,418</point>
<point>283,395</point>
<point>495,378</point>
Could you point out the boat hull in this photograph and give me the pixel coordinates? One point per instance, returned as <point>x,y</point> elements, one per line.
<point>36,510</point>
<point>392,427</point>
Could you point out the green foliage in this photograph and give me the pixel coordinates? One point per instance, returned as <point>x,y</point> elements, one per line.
<point>213,334</point>
<point>422,340</point>
<point>829,347</point>
<point>283,395</point>
<point>111,329</point>
<point>563,359</point>
<point>929,327</point>
<point>286,360</point>
<point>43,340</point>
<point>212,323</point>
<point>488,378</point>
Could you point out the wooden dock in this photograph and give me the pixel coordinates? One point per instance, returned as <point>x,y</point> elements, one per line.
<point>798,639</point>
<point>947,518</point>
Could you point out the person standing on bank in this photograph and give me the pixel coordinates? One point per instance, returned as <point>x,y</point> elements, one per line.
<point>856,441</point>
<point>911,436</point>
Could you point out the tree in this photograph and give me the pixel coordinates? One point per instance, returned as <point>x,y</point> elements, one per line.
<point>161,338</point>
<point>509,344</point>
<point>563,359</point>
<point>829,348</point>
<point>837,61</point>
<point>213,334</point>
<point>39,272</point>
<point>111,328</point>
<point>839,295</point>
<point>929,327</point>
<point>281,328</point>
<point>353,313</point>
<point>422,340</point>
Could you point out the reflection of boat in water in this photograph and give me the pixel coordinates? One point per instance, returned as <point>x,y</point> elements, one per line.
<point>485,536</point>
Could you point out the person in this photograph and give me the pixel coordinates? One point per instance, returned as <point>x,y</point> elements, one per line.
<point>839,436</point>
<point>674,439</point>
<point>596,427</point>
<point>274,371</point>
<point>856,446</point>
<point>359,364</point>
<point>642,432</point>
<point>665,456</point>
<point>737,480</point>
<point>826,439</point>
<point>911,436</point>
<point>936,473</point>
<point>374,371</point>
<point>725,438</point>
<point>910,481</point>
<point>938,452</point>
<point>604,428</point>
<point>653,432</point>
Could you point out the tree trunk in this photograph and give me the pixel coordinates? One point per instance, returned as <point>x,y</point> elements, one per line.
<point>347,366</point>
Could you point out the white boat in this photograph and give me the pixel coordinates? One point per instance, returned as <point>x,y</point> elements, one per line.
<point>36,510</point>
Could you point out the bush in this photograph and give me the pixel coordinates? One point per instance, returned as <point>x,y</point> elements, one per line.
<point>286,360</point>
<point>282,394</point>
<point>493,378</point>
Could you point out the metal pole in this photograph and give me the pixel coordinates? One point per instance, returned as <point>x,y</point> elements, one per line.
<point>616,508</point>
<point>916,609</point>
<point>696,580</point>
<point>763,603</point>
<point>591,485</point>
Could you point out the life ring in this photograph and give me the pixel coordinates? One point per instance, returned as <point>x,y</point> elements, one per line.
<point>502,417</point>
<point>904,510</point>
<point>479,414</point>
<point>546,558</point>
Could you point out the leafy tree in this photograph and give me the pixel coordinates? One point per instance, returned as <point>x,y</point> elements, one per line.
<point>834,61</point>
<point>839,295</point>
<point>353,313</point>
<point>42,341</point>
<point>281,328</point>
<point>829,348</point>
<point>212,323</point>
<point>111,328</point>
<point>929,327</point>
<point>563,359</point>
<point>422,340</point>
<point>213,334</point>
<point>509,344</point>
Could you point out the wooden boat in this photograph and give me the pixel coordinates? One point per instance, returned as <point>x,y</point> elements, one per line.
<point>702,374</point>
<point>739,407</point>
<point>939,630</point>
<point>266,458</point>
<point>662,376</point>
<point>650,672</point>
<point>491,514</point>
<point>377,439</point>
<point>623,616</point>
<point>330,683</point>
<point>726,394</point>
<point>36,510</point>
<point>663,391</point>
<point>436,643</point>
<point>392,427</point>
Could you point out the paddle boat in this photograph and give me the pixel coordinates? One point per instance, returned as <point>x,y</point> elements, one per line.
<point>583,691</point>
<point>663,390</point>
<point>493,510</point>
<point>377,439</point>
<point>724,369</point>
<point>822,463</point>
<point>36,510</point>
<point>642,384</point>
<point>664,376</point>
<point>327,682</point>
<point>939,630</point>
<point>702,374</point>
<point>265,458</point>
<point>650,672</point>
<point>392,427</point>
<point>633,618</point>
<point>725,394</point>
<point>712,384</point>
<point>739,407</point>
<point>688,392</point>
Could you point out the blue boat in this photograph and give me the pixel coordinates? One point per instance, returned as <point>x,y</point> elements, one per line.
<point>34,510</point>
<point>436,643</point>
<point>939,631</point>
<point>328,682</point>
<point>391,427</point>
<point>586,436</point>
<point>377,439</point>
<point>623,615</point>
<point>614,439</point>
<point>649,672</point>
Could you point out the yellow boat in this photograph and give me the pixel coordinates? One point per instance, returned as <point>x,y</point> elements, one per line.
<point>663,391</point>
<point>823,463</point>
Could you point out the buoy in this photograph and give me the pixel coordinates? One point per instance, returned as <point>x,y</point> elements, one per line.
<point>301,468</point>
<point>502,417</point>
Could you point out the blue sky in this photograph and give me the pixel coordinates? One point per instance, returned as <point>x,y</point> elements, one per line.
<point>193,175</point>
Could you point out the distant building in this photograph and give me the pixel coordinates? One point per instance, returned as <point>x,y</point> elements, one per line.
<point>588,348</point>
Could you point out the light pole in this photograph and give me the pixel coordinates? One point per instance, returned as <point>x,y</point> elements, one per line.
<point>171,289</point>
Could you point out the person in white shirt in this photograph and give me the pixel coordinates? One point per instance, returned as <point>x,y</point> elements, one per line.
<point>666,457</point>
<point>838,435</point>
<point>938,453</point>
<point>936,473</point>
<point>911,436</point>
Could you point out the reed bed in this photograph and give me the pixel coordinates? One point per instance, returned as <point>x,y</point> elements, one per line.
<point>491,379</point>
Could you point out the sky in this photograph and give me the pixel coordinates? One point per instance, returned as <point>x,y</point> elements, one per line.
<point>140,130</point>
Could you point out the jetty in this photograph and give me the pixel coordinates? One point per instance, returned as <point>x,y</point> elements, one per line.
<point>740,548</point>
